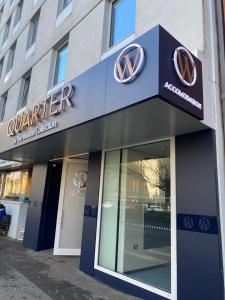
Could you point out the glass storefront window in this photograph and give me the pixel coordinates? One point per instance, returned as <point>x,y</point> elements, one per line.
<point>135,228</point>
<point>16,184</point>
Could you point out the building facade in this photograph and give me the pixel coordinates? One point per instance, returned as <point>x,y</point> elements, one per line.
<point>116,105</point>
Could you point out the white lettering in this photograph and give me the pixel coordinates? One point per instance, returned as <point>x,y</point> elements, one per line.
<point>36,131</point>
<point>183,95</point>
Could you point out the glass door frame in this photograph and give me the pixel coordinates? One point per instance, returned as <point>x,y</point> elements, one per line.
<point>173,294</point>
<point>57,249</point>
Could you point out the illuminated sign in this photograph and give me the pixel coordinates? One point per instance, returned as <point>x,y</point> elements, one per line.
<point>129,63</point>
<point>47,108</point>
<point>185,66</point>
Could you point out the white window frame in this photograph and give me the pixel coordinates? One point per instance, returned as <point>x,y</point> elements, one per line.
<point>173,294</point>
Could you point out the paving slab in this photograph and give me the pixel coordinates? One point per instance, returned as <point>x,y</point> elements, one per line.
<point>30,275</point>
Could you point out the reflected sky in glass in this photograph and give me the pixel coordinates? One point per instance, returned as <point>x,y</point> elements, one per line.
<point>61,65</point>
<point>123,20</point>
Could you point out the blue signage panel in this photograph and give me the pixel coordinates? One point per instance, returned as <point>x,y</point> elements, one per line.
<point>197,223</point>
<point>90,211</point>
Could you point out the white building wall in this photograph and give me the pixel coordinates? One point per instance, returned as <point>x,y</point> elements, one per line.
<point>88,28</point>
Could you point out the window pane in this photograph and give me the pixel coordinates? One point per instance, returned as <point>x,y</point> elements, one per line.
<point>1,66</point>
<point>142,222</point>
<point>17,184</point>
<point>2,107</point>
<point>34,31</point>
<point>66,3</point>
<point>61,63</point>
<point>1,12</point>
<point>6,32</point>
<point>25,91</point>
<point>11,58</point>
<point>108,234</point>
<point>123,19</point>
<point>18,13</point>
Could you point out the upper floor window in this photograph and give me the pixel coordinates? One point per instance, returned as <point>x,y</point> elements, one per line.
<point>33,30</point>
<point>24,90</point>
<point>1,66</point>
<point>3,101</point>
<point>63,4</point>
<point>66,3</point>
<point>61,63</point>
<point>34,2</point>
<point>11,3</point>
<point>11,57</point>
<point>64,11</point>
<point>1,11</point>
<point>6,32</point>
<point>18,13</point>
<point>123,20</point>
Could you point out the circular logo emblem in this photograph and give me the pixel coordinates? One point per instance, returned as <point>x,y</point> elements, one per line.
<point>188,223</point>
<point>80,179</point>
<point>185,66</point>
<point>129,63</point>
<point>204,224</point>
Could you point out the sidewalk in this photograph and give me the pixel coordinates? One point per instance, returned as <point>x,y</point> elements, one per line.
<point>40,275</point>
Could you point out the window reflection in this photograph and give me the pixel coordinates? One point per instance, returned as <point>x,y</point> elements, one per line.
<point>61,63</point>
<point>16,184</point>
<point>123,20</point>
<point>135,223</point>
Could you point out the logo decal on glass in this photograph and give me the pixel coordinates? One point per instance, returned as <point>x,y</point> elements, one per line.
<point>80,179</point>
<point>185,66</point>
<point>129,63</point>
<point>204,224</point>
<point>188,223</point>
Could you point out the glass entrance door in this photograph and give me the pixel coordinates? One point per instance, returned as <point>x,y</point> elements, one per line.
<point>135,225</point>
<point>71,207</point>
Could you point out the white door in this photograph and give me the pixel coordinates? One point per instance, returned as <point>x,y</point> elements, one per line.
<point>71,207</point>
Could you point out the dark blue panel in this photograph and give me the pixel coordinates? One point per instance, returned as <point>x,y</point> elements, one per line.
<point>42,212</point>
<point>199,262</point>
<point>33,221</point>
<point>50,206</point>
<point>90,214</point>
<point>197,223</point>
<point>91,211</point>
